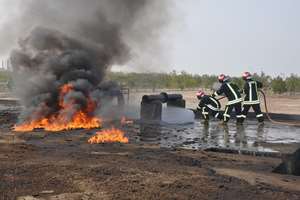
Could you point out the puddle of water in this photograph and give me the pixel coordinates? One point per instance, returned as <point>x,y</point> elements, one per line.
<point>249,137</point>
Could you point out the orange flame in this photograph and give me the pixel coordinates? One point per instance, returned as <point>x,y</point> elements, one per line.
<point>108,136</point>
<point>61,121</point>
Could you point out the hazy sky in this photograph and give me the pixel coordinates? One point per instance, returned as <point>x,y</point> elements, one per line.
<point>228,36</point>
<point>231,36</point>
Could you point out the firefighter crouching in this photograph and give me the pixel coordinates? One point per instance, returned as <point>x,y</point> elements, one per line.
<point>232,92</point>
<point>251,98</point>
<point>208,105</point>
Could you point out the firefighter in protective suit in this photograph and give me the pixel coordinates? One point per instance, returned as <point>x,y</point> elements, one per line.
<point>251,98</point>
<point>208,105</point>
<point>232,92</point>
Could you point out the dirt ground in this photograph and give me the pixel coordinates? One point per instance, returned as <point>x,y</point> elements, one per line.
<point>52,166</point>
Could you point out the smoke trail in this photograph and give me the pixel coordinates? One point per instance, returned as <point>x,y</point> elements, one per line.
<point>75,42</point>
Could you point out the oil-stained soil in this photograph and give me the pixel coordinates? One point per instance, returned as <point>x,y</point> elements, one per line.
<point>41,165</point>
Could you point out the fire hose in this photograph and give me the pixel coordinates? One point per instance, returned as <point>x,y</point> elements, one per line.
<point>221,98</point>
<point>269,117</point>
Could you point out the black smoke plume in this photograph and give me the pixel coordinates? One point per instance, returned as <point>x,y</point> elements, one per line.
<point>75,42</point>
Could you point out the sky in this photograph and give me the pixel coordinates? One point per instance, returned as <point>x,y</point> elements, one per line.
<point>232,36</point>
<point>225,36</point>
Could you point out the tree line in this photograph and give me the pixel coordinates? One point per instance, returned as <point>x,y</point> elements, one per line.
<point>184,80</point>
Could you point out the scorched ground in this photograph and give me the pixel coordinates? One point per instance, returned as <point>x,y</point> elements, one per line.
<point>63,165</point>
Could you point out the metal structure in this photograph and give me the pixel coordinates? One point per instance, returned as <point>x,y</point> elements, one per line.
<point>151,105</point>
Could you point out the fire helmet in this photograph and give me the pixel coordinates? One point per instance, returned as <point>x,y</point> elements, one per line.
<point>246,75</point>
<point>200,94</point>
<point>221,78</point>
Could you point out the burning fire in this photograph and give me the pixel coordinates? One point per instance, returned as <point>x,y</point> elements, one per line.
<point>108,136</point>
<point>62,121</point>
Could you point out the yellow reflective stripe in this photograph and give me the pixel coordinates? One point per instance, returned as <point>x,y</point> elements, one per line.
<point>212,108</point>
<point>225,113</point>
<point>215,101</point>
<point>250,90</point>
<point>226,110</point>
<point>234,101</point>
<point>251,102</point>
<point>232,90</point>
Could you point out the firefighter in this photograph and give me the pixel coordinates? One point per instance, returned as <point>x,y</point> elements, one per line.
<point>251,98</point>
<point>208,105</point>
<point>232,92</point>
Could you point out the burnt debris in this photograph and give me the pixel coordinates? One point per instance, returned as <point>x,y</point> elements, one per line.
<point>290,164</point>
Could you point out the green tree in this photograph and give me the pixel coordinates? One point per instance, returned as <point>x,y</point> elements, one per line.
<point>278,85</point>
<point>239,81</point>
<point>293,83</point>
